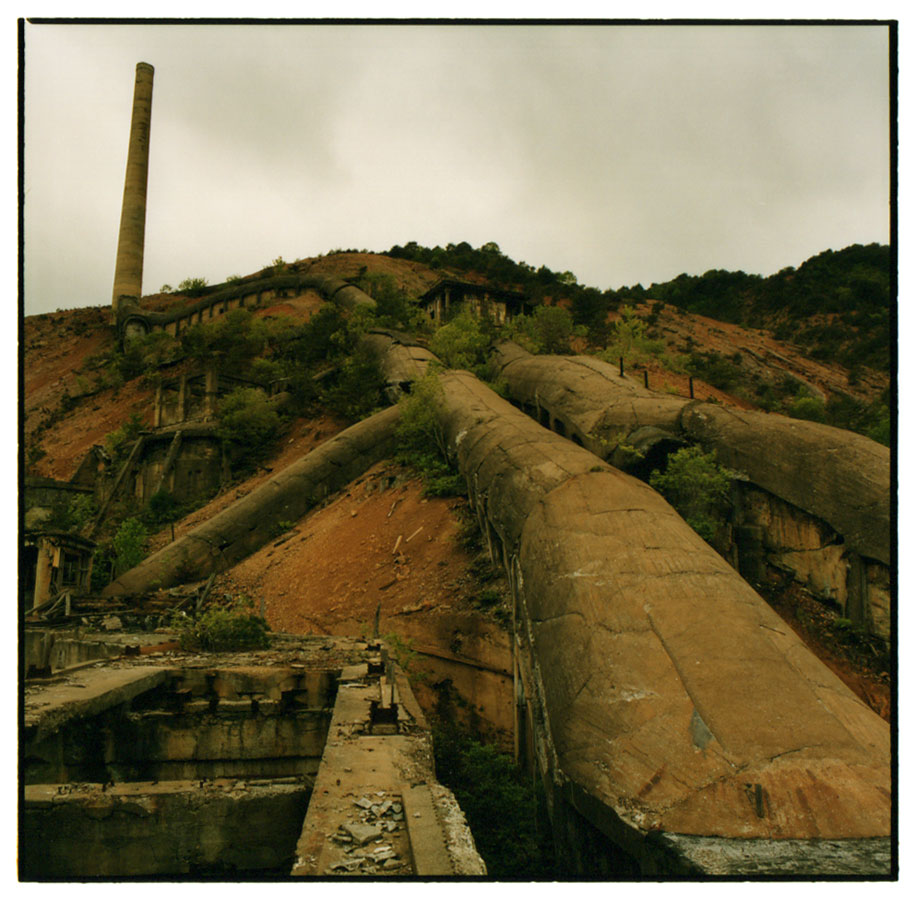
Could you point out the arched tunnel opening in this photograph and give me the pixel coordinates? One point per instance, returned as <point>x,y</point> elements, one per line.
<point>654,459</point>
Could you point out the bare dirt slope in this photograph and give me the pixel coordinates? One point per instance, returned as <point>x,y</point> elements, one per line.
<point>757,352</point>
<point>331,571</point>
<point>380,559</point>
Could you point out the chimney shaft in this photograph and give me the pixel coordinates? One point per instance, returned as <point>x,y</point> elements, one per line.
<point>128,272</point>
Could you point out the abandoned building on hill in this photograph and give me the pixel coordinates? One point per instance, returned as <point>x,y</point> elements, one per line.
<point>444,299</point>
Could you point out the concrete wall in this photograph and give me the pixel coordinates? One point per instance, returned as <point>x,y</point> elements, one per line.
<point>195,473</point>
<point>169,828</point>
<point>45,493</point>
<point>196,724</point>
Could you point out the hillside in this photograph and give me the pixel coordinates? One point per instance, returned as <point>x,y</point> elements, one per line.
<point>381,548</point>
<point>65,352</point>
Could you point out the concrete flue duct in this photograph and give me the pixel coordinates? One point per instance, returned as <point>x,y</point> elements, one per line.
<point>663,683</point>
<point>250,522</point>
<point>838,476</point>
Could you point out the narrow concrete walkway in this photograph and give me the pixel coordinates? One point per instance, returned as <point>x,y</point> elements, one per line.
<point>374,811</point>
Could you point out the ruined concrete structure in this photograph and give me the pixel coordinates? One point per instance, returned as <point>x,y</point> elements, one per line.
<point>206,765</point>
<point>248,294</point>
<point>194,397</point>
<point>128,273</point>
<point>444,298</point>
<point>690,745</point>
<point>42,495</point>
<point>182,454</point>
<point>53,563</point>
<point>814,499</point>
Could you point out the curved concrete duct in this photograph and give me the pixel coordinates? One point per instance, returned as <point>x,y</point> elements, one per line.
<point>838,476</point>
<point>841,477</point>
<point>133,320</point>
<point>338,291</point>
<point>402,360</point>
<point>673,699</point>
<point>250,522</point>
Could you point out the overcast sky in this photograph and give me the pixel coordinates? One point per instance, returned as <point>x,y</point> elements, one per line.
<point>622,153</point>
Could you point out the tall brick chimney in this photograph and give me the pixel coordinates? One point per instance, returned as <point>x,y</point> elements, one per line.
<point>128,271</point>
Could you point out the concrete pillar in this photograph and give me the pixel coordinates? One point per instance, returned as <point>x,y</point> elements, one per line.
<point>182,398</point>
<point>211,393</point>
<point>128,272</point>
<point>43,573</point>
<point>157,407</point>
<point>856,604</point>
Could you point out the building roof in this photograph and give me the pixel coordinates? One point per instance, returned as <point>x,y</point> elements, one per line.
<point>471,286</point>
<point>62,538</point>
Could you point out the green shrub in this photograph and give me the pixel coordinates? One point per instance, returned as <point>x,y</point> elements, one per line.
<point>419,427</point>
<point>129,545</point>
<point>394,308</point>
<point>715,369</point>
<point>230,342</point>
<point>629,341</point>
<point>231,627</point>
<point>103,566</point>
<point>697,487</point>
<point>193,287</point>
<point>420,442</point>
<point>881,429</point>
<point>119,442</point>
<point>462,343</point>
<point>163,508</point>
<point>505,813</point>
<point>357,388</point>
<point>71,514</point>
<point>323,336</point>
<point>488,597</point>
<point>145,353</point>
<point>248,425</point>
<point>805,406</point>
<point>547,330</point>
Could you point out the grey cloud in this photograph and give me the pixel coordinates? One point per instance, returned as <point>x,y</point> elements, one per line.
<point>623,154</point>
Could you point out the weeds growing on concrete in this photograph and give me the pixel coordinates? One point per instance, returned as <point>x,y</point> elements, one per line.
<point>222,628</point>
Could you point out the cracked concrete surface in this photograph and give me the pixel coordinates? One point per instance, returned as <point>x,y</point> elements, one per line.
<point>677,629</point>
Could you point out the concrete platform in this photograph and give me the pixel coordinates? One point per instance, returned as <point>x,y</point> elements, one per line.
<point>376,809</point>
<point>56,701</point>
